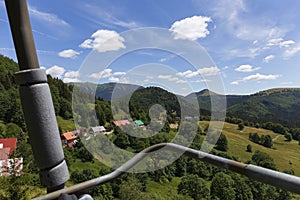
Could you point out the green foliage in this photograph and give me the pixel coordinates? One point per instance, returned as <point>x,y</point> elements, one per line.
<point>82,153</point>
<point>264,191</point>
<point>263,159</point>
<point>222,143</point>
<point>122,140</point>
<point>241,126</point>
<point>202,169</point>
<point>222,187</point>
<point>249,148</point>
<point>289,171</point>
<point>288,137</point>
<point>194,187</point>
<point>102,191</point>
<point>241,188</point>
<point>254,137</point>
<point>131,189</point>
<point>265,140</point>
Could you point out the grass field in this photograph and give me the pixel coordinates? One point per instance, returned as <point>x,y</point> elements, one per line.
<point>65,125</point>
<point>286,155</point>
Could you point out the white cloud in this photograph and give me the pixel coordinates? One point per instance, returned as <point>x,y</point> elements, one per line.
<point>119,73</point>
<point>72,74</point>
<point>164,76</point>
<point>102,74</point>
<point>201,81</point>
<point>208,71</point>
<point>280,42</point>
<point>274,42</point>
<point>103,17</point>
<point>113,79</point>
<point>256,77</point>
<point>68,53</point>
<point>291,52</point>
<point>237,21</point>
<point>234,83</point>
<point>246,68</point>
<point>191,28</point>
<point>259,76</point>
<point>170,78</point>
<point>268,58</point>
<point>184,73</point>
<point>287,43</point>
<point>56,71</point>
<point>47,17</point>
<point>70,80</point>
<point>104,40</point>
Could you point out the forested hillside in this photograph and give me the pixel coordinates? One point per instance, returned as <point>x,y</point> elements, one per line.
<point>185,179</point>
<point>281,105</point>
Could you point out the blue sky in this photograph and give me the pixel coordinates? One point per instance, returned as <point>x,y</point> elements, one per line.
<point>253,45</point>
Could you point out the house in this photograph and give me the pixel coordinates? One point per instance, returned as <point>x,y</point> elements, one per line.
<point>69,139</point>
<point>139,123</point>
<point>122,122</point>
<point>10,143</point>
<point>97,129</point>
<point>9,165</point>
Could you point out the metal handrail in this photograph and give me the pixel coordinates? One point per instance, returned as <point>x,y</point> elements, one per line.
<point>275,178</point>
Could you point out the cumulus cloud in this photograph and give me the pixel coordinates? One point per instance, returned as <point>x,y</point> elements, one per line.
<point>268,58</point>
<point>68,53</point>
<point>256,77</point>
<point>104,40</point>
<point>246,68</point>
<point>208,71</point>
<point>56,71</point>
<point>191,28</point>
<point>102,74</point>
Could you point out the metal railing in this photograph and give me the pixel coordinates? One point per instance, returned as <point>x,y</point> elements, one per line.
<point>275,178</point>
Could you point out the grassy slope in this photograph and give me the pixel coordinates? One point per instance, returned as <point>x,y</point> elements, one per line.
<point>285,154</point>
<point>282,152</point>
<point>65,125</point>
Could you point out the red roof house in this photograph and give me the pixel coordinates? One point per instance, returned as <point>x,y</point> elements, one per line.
<point>4,153</point>
<point>10,143</point>
<point>9,165</point>
<point>122,122</point>
<point>68,138</point>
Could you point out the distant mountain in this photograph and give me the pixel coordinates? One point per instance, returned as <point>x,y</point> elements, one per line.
<point>279,105</point>
<point>106,90</point>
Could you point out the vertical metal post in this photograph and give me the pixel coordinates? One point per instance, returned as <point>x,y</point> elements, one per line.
<point>36,101</point>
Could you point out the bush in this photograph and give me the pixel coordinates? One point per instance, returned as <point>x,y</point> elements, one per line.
<point>249,148</point>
